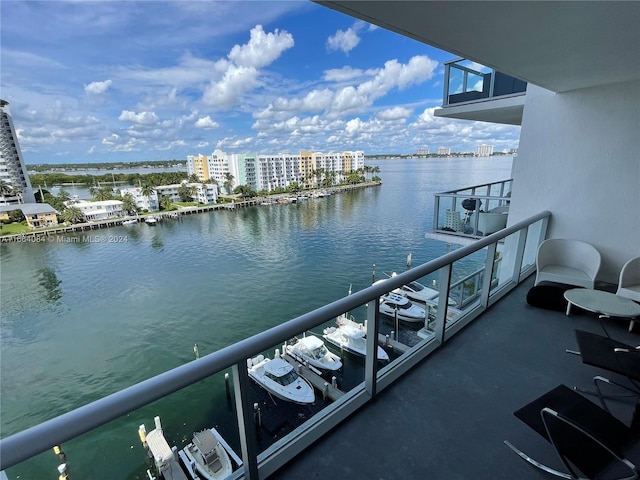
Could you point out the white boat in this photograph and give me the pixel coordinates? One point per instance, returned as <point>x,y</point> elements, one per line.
<point>279,378</point>
<point>417,292</point>
<point>208,456</point>
<point>312,350</point>
<point>130,221</point>
<point>392,304</point>
<point>350,336</point>
<point>151,221</point>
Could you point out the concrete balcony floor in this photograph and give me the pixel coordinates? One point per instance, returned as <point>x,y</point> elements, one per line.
<point>447,419</point>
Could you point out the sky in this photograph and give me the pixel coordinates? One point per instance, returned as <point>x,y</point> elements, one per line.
<point>93,81</point>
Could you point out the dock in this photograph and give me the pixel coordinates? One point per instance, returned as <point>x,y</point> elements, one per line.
<point>314,379</point>
<point>163,455</point>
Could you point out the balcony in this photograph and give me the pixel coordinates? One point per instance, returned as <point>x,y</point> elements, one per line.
<point>440,408</point>
<point>476,92</point>
<point>470,213</point>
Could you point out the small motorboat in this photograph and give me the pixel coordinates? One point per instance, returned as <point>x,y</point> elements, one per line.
<point>130,221</point>
<point>417,292</point>
<point>278,377</point>
<point>393,304</point>
<point>312,350</point>
<point>350,336</point>
<point>208,456</point>
<point>151,221</point>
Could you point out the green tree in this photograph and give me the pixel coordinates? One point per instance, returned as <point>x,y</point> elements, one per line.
<point>166,202</point>
<point>63,195</point>
<point>228,182</point>
<point>244,191</point>
<point>129,204</point>
<point>147,189</point>
<point>186,193</point>
<point>193,178</point>
<point>16,216</point>
<point>104,193</point>
<point>72,215</point>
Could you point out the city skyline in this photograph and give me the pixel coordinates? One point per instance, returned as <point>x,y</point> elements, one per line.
<point>136,81</point>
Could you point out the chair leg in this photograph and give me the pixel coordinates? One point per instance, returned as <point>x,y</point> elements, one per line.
<point>537,464</point>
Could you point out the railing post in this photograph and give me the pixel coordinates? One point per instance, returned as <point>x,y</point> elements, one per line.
<point>519,254</point>
<point>371,358</point>
<point>246,423</point>
<point>445,99</point>
<point>436,208</point>
<point>443,302</point>
<point>487,275</point>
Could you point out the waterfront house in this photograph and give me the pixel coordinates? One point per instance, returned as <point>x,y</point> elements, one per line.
<point>100,210</point>
<point>442,409</point>
<point>37,215</point>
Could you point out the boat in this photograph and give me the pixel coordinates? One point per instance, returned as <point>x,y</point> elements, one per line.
<point>278,377</point>
<point>130,221</point>
<point>392,304</point>
<point>350,336</point>
<point>208,456</point>
<point>312,350</point>
<point>417,292</point>
<point>151,221</point>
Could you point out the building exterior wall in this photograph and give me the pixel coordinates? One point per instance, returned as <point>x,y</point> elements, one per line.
<point>99,210</point>
<point>143,202</point>
<point>198,165</point>
<point>578,158</point>
<point>41,220</point>
<point>12,167</point>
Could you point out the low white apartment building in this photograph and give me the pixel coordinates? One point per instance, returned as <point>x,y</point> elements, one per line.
<point>206,193</point>
<point>101,210</point>
<point>143,202</point>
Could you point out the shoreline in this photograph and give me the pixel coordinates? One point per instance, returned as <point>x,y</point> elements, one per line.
<point>44,236</point>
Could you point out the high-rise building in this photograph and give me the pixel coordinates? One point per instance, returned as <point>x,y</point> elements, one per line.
<point>423,151</point>
<point>484,150</point>
<point>16,187</point>
<point>444,151</point>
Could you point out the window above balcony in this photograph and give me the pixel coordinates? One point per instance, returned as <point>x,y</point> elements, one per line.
<point>475,92</point>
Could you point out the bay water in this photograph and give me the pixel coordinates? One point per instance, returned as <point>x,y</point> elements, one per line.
<point>82,319</point>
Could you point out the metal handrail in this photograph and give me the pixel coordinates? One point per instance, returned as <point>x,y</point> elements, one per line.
<point>39,438</point>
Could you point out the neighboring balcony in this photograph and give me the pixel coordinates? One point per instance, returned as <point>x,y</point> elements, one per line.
<point>475,92</point>
<point>470,213</point>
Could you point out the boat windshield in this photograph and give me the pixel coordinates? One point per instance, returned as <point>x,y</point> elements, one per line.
<point>415,286</point>
<point>286,379</point>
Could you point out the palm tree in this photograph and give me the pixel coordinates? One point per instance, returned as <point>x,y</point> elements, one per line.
<point>166,202</point>
<point>72,215</point>
<point>147,190</point>
<point>104,193</point>
<point>63,195</point>
<point>228,182</point>
<point>129,204</point>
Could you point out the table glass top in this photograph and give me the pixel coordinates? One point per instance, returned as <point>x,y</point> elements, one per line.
<point>603,302</point>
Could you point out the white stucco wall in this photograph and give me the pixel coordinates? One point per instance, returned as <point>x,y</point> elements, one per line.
<point>579,157</point>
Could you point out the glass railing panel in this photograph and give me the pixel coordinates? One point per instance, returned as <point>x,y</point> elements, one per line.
<point>535,234</point>
<point>115,450</point>
<point>503,263</point>
<point>465,287</point>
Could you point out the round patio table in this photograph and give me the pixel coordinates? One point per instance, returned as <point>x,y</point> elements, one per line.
<point>605,304</point>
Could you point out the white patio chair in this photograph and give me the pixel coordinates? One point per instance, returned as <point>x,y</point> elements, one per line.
<point>567,261</point>
<point>629,282</point>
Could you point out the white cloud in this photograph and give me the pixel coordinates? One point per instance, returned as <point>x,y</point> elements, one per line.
<point>97,88</point>
<point>343,40</point>
<point>262,49</point>
<point>206,123</point>
<point>346,74</point>
<point>142,118</point>
<point>395,113</point>
<point>242,72</point>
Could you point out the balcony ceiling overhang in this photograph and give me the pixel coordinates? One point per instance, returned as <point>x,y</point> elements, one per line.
<point>505,110</point>
<point>557,45</point>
